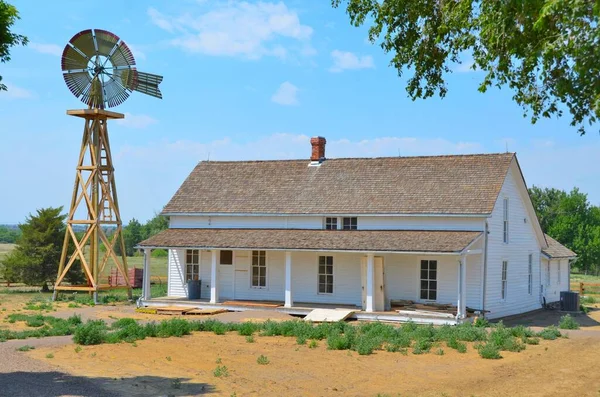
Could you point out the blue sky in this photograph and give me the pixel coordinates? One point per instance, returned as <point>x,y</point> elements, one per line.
<point>248,81</point>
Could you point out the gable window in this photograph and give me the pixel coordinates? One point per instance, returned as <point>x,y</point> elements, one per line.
<point>326,274</point>
<point>192,265</point>
<point>259,269</point>
<point>350,223</point>
<point>558,274</point>
<point>504,279</point>
<point>428,280</point>
<point>505,220</point>
<point>530,275</point>
<point>226,258</point>
<point>331,223</point>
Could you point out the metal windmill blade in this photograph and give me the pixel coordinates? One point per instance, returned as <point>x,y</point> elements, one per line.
<point>99,69</point>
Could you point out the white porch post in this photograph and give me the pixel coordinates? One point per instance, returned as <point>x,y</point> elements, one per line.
<point>462,288</point>
<point>288,280</point>
<point>370,282</point>
<point>214,278</point>
<point>146,276</point>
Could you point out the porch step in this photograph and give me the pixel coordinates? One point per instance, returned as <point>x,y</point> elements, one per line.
<point>328,315</point>
<point>173,310</point>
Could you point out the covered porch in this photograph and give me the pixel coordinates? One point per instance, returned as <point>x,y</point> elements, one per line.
<point>296,271</point>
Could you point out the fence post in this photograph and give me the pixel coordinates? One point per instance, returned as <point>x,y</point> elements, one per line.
<point>581,289</point>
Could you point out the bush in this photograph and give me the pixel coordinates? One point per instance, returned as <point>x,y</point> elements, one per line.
<point>25,348</point>
<point>489,351</point>
<point>262,360</point>
<point>221,371</point>
<point>91,333</point>
<point>549,333</point>
<point>568,322</point>
<point>421,346</point>
<point>458,346</point>
<point>337,341</point>
<point>481,322</point>
<point>174,327</point>
<point>247,329</point>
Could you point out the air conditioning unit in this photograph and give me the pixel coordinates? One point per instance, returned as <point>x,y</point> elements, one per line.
<point>569,301</point>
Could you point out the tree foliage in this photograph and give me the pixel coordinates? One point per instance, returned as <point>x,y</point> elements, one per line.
<point>9,235</point>
<point>8,16</point>
<point>135,232</point>
<point>546,51</point>
<point>572,220</point>
<point>34,261</point>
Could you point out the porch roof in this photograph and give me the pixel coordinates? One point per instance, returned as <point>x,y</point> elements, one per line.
<point>315,240</point>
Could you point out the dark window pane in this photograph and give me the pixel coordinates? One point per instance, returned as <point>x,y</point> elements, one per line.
<point>424,265</point>
<point>321,260</point>
<point>433,285</point>
<point>263,281</point>
<point>432,265</point>
<point>322,288</point>
<point>330,289</point>
<point>226,257</point>
<point>433,275</point>
<point>254,271</point>
<point>424,274</point>
<point>329,269</point>
<point>424,285</point>
<point>433,295</point>
<point>263,261</point>
<point>424,294</point>
<point>322,279</point>
<point>321,269</point>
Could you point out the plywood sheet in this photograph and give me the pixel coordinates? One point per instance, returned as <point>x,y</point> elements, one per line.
<point>328,315</point>
<point>204,312</point>
<point>173,310</point>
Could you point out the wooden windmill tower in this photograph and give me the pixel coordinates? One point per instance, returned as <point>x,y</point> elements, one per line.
<point>98,68</point>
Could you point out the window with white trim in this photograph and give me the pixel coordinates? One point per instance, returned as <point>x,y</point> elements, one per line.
<point>226,257</point>
<point>530,275</point>
<point>326,274</point>
<point>504,278</point>
<point>192,265</point>
<point>505,220</point>
<point>259,269</point>
<point>428,280</point>
<point>548,274</point>
<point>558,275</point>
<point>350,223</point>
<point>331,223</point>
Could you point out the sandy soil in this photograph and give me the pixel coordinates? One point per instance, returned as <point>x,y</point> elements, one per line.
<point>151,367</point>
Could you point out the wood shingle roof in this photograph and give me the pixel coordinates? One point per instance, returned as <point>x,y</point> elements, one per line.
<point>464,184</point>
<point>314,240</point>
<point>557,250</point>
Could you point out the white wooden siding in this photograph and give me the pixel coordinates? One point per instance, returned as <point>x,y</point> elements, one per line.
<point>552,291</point>
<point>176,285</point>
<point>316,222</point>
<point>522,242</point>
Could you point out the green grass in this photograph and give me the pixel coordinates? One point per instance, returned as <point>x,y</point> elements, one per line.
<point>25,348</point>
<point>221,371</point>
<point>568,322</point>
<point>50,326</point>
<point>262,360</point>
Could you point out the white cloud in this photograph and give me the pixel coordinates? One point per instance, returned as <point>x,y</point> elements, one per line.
<point>138,121</point>
<point>241,29</point>
<point>465,67</point>
<point>136,51</point>
<point>345,60</point>
<point>15,92</point>
<point>286,94</point>
<point>51,49</point>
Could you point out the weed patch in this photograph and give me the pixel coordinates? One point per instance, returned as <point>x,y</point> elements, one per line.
<point>568,322</point>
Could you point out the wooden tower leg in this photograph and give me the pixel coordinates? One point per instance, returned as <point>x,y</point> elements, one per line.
<point>95,189</point>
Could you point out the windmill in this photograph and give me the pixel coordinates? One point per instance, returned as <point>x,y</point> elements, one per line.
<point>99,69</point>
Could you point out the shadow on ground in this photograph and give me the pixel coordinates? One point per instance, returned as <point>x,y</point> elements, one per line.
<point>54,384</point>
<point>545,318</point>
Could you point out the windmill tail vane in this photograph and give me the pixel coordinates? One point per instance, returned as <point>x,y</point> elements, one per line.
<point>99,68</point>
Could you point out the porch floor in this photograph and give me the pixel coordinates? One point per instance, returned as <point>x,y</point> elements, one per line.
<point>303,308</point>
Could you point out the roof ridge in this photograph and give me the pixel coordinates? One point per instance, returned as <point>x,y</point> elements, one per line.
<point>365,158</point>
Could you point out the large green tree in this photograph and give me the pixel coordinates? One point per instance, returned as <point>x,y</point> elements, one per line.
<point>546,51</point>
<point>8,16</point>
<point>34,261</point>
<point>572,220</point>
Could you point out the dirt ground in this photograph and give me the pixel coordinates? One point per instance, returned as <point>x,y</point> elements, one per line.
<point>185,366</point>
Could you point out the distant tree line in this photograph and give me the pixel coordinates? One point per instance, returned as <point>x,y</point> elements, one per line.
<point>570,218</point>
<point>9,234</point>
<point>39,241</point>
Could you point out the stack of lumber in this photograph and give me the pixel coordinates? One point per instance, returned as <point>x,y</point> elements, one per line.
<point>135,276</point>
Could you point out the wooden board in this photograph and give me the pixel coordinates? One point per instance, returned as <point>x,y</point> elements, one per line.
<point>173,310</point>
<point>328,315</point>
<point>252,303</point>
<point>204,312</point>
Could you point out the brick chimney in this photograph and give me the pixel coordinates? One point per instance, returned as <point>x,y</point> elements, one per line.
<point>318,148</point>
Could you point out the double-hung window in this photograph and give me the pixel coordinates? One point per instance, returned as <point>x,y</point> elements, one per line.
<point>192,265</point>
<point>326,274</point>
<point>505,220</point>
<point>350,223</point>
<point>259,269</point>
<point>530,275</point>
<point>504,278</point>
<point>331,223</point>
<point>428,280</point>
<point>558,275</point>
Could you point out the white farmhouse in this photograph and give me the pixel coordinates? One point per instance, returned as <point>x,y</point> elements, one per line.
<point>364,233</point>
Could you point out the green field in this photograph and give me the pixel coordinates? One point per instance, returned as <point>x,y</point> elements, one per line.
<point>5,249</point>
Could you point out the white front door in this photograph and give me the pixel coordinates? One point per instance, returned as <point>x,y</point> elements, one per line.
<point>379,290</point>
<point>226,269</point>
